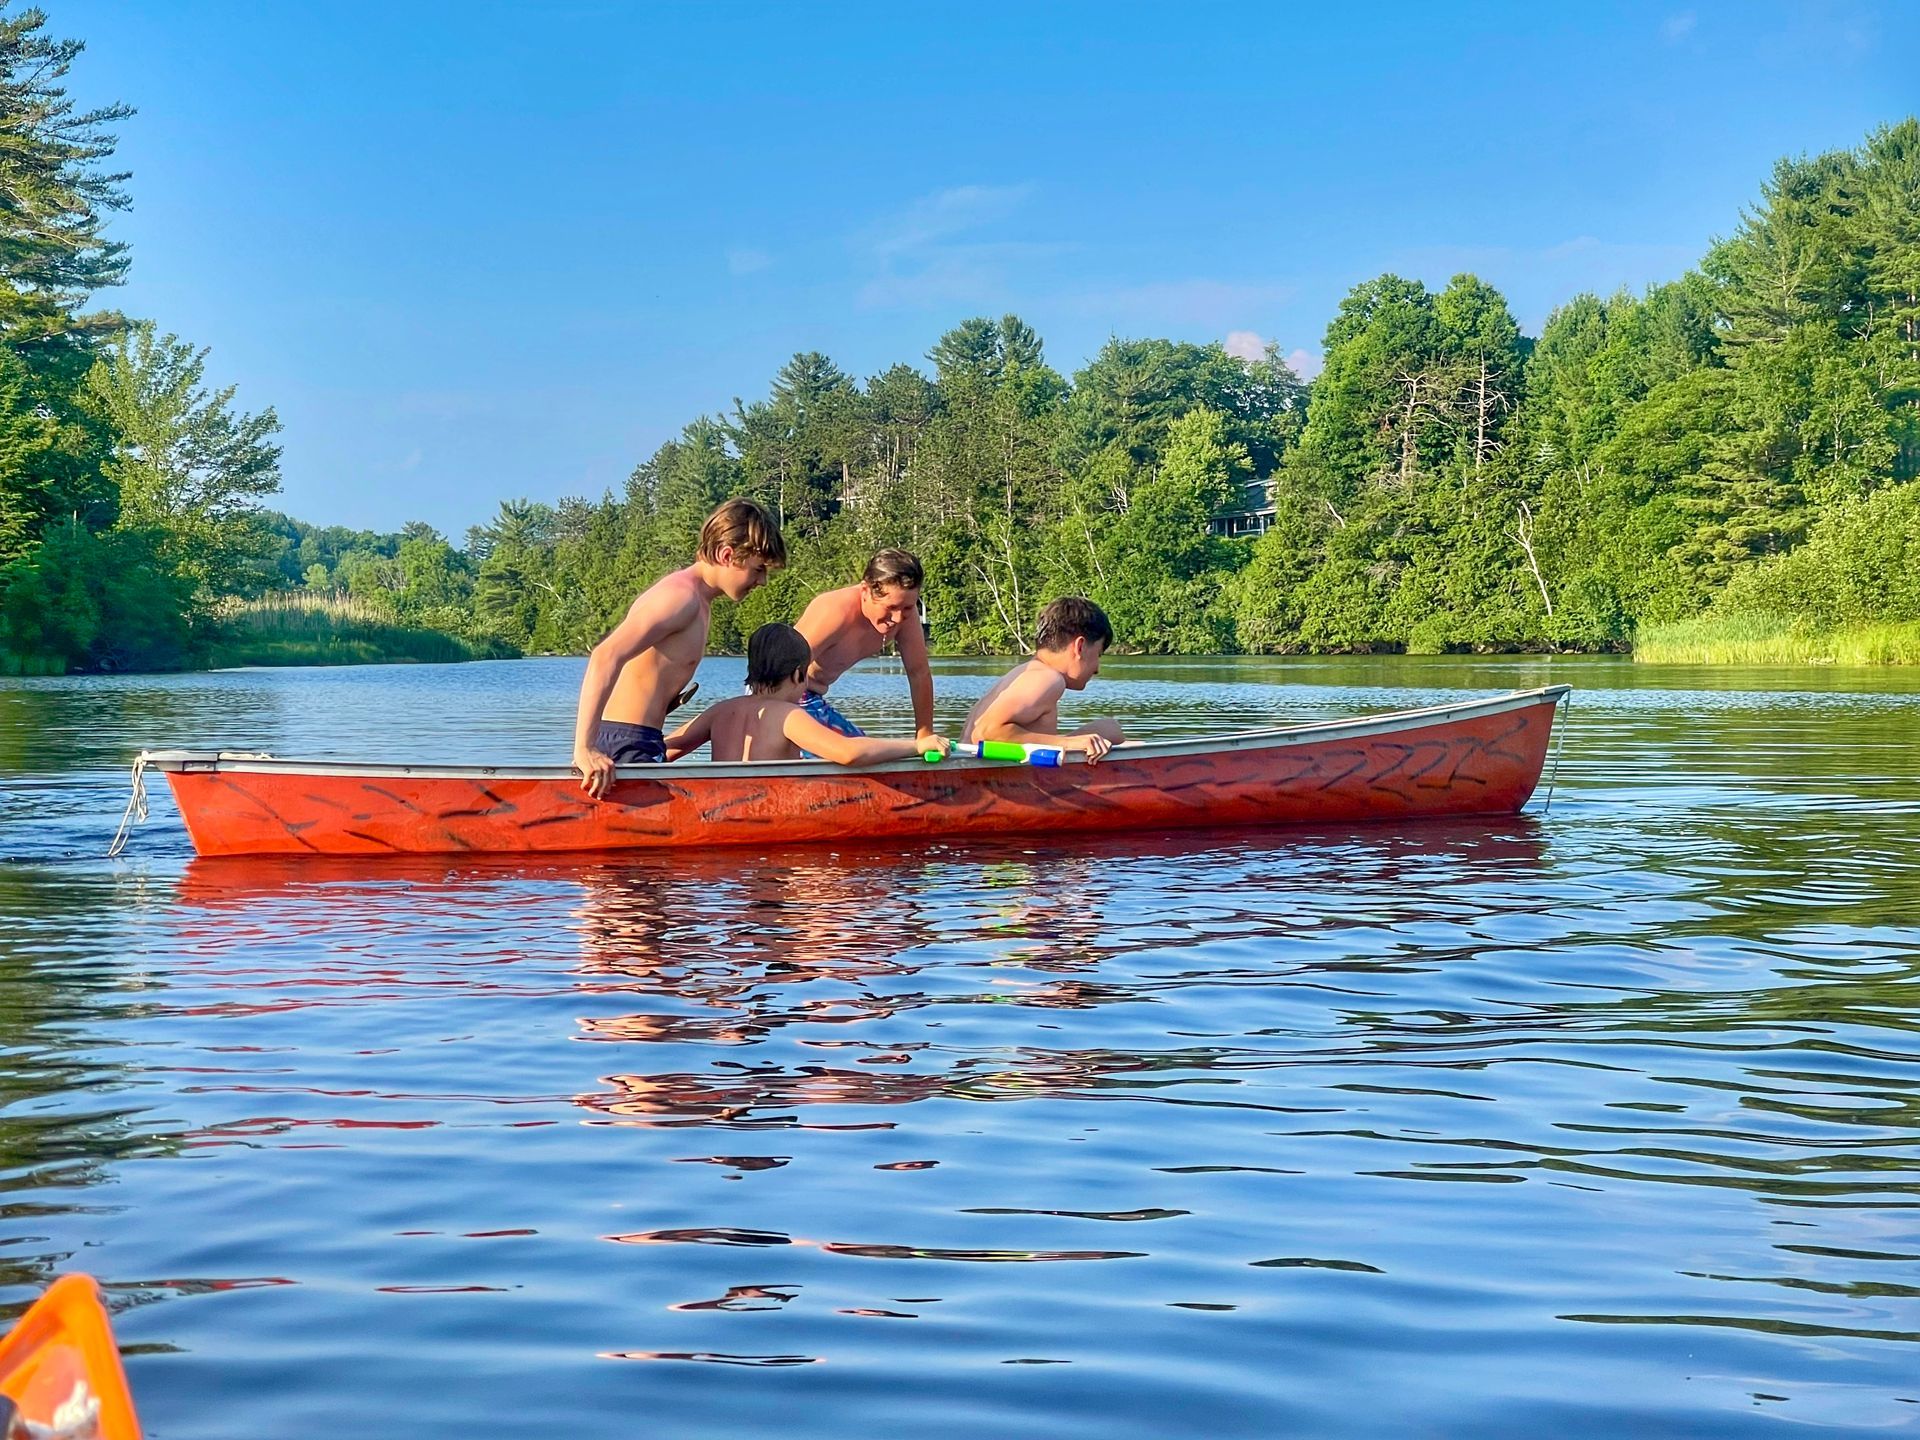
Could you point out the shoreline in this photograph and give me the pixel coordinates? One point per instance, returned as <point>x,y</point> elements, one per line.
<point>1703,640</point>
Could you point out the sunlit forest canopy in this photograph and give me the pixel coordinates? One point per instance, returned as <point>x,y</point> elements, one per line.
<point>1743,439</point>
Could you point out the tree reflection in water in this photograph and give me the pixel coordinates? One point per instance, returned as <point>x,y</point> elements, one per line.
<point>67,1119</point>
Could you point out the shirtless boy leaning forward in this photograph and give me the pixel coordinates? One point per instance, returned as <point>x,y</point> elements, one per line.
<point>635,674</point>
<point>854,623</point>
<point>1024,704</point>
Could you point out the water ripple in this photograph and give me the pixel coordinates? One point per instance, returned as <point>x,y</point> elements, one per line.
<point>1605,1118</point>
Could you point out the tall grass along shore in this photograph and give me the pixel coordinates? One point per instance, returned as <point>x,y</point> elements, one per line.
<point>306,629</point>
<point>1745,639</point>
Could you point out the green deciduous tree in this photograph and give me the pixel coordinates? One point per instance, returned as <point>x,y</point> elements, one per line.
<point>1445,483</point>
<point>102,601</point>
<point>189,468</point>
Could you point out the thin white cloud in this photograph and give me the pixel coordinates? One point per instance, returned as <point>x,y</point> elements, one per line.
<point>1246,345</point>
<point>933,252</point>
<point>744,260</point>
<point>1536,280</point>
<point>945,213</point>
<point>1192,304</point>
<point>979,274</point>
<point>952,248</point>
<point>1677,27</point>
<point>1249,345</point>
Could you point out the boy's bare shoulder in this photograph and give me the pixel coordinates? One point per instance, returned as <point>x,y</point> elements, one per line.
<point>755,709</point>
<point>828,611</point>
<point>1034,680</point>
<point>676,592</point>
<point>1022,692</point>
<point>1015,681</point>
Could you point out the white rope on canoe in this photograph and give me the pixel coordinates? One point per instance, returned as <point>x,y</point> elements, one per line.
<point>1559,744</point>
<point>136,810</point>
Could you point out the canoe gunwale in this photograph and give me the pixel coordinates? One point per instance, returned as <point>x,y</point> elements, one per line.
<point>1313,732</point>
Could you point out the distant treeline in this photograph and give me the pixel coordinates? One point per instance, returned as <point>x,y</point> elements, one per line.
<point>1739,443</point>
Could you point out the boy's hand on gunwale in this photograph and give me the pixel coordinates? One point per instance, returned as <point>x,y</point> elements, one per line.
<point>596,771</point>
<point>1092,746</point>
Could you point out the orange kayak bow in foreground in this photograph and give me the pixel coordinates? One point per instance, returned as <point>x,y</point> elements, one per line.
<point>1476,757</point>
<point>60,1370</point>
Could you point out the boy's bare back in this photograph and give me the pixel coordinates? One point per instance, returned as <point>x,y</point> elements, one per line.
<point>1026,697</point>
<point>751,727</point>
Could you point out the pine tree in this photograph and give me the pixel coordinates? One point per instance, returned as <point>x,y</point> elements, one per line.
<point>1888,229</point>
<point>53,193</point>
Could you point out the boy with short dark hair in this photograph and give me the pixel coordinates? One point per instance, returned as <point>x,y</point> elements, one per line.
<point>769,723</point>
<point>635,674</point>
<point>1024,705</point>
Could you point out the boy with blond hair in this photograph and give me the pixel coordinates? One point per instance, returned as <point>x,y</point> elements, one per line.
<point>770,723</point>
<point>855,623</point>
<point>1024,705</point>
<point>635,674</point>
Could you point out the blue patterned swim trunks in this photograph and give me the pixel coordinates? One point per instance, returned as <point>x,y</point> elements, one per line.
<point>821,709</point>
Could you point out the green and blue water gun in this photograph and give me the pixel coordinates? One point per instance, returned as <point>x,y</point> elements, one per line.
<point>1009,751</point>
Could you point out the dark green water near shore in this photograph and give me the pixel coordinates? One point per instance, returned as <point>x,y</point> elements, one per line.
<point>1603,1118</point>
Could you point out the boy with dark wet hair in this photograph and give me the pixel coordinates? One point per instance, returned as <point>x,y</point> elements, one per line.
<point>769,722</point>
<point>855,623</point>
<point>1024,705</point>
<point>635,676</point>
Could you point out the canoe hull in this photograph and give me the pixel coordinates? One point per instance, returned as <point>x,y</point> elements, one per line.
<point>1478,758</point>
<point>60,1362</point>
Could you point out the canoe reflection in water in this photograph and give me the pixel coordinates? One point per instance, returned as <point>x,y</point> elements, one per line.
<point>891,952</point>
<point>838,941</point>
<point>857,978</point>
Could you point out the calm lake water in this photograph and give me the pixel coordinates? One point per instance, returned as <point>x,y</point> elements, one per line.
<point>1603,1119</point>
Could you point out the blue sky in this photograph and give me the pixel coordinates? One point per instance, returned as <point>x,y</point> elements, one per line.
<point>476,251</point>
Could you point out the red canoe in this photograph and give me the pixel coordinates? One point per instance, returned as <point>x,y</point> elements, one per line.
<point>1476,757</point>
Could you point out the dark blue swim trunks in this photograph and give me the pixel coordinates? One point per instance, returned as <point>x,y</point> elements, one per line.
<point>632,744</point>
